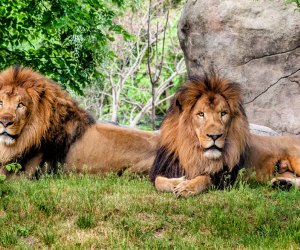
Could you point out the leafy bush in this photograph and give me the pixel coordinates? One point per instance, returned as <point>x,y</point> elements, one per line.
<point>63,39</point>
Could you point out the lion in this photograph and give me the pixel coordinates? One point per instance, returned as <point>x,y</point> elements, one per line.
<point>275,158</point>
<point>205,141</point>
<point>42,128</point>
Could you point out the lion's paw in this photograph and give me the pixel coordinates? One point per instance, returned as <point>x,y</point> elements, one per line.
<point>185,188</point>
<point>164,184</point>
<point>177,181</point>
<point>282,183</point>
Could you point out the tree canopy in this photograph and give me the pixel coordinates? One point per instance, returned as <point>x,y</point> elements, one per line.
<point>63,39</point>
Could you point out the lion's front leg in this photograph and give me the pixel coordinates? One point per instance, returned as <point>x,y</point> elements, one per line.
<point>193,186</point>
<point>164,184</point>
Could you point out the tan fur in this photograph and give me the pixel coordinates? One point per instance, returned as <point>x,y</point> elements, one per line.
<point>38,117</point>
<point>164,184</point>
<point>274,157</point>
<point>269,158</point>
<point>184,135</point>
<point>107,148</point>
<point>193,186</point>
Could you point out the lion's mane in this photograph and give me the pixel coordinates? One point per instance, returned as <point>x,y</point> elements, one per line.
<point>180,153</point>
<point>54,123</point>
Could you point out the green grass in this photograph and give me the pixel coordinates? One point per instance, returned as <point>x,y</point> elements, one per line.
<point>72,212</point>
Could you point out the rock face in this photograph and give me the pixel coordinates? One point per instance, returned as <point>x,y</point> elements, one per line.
<point>256,43</point>
<point>262,130</point>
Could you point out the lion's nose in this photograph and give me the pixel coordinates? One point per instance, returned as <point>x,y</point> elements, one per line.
<point>214,136</point>
<point>6,121</point>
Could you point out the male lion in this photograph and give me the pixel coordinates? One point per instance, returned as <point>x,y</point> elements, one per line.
<point>205,140</point>
<point>40,125</point>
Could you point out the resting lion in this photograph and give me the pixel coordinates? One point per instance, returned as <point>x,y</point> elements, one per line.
<point>205,141</point>
<point>276,158</point>
<point>40,125</point>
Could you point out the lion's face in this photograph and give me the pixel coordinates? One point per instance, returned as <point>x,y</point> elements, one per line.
<point>15,106</point>
<point>211,121</point>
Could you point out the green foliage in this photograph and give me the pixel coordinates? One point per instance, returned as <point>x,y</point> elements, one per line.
<point>23,231</point>
<point>63,39</point>
<point>2,178</point>
<point>13,167</point>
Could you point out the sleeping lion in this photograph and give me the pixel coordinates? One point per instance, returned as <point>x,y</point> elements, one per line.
<point>205,141</point>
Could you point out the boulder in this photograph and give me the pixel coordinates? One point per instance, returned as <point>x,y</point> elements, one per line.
<point>255,43</point>
<point>262,130</point>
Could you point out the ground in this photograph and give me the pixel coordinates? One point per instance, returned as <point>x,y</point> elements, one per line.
<point>127,212</point>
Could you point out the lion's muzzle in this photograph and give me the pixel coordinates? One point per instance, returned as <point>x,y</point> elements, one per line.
<point>7,120</point>
<point>213,147</point>
<point>9,135</point>
<point>7,138</point>
<point>213,151</point>
<point>214,136</point>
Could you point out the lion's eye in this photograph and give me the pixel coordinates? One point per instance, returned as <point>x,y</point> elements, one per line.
<point>223,113</point>
<point>1,103</point>
<point>201,114</point>
<point>21,105</point>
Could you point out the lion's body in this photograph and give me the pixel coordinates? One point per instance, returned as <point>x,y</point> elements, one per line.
<point>205,140</point>
<point>40,125</point>
<point>273,157</point>
<point>108,148</point>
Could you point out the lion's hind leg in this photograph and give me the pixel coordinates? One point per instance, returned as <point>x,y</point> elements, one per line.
<point>164,184</point>
<point>294,165</point>
<point>286,183</point>
<point>286,180</point>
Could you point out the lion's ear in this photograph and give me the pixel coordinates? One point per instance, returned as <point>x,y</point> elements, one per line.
<point>177,101</point>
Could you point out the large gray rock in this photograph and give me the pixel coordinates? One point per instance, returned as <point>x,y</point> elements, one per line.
<point>256,43</point>
<point>262,130</point>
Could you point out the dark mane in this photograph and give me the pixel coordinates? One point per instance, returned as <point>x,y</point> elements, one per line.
<point>166,165</point>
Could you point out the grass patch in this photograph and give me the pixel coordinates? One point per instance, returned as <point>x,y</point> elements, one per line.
<point>126,212</point>
<point>48,238</point>
<point>85,221</point>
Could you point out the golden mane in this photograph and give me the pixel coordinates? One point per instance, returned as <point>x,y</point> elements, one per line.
<point>180,152</point>
<point>51,112</point>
